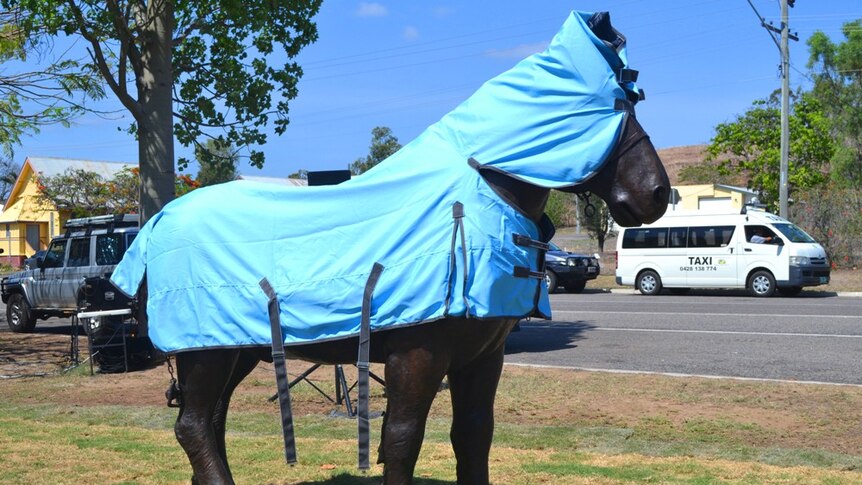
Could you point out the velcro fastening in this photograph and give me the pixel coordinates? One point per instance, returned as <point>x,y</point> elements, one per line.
<point>527,241</point>
<point>525,272</point>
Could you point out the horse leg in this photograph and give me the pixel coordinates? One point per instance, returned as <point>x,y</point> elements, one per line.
<point>246,362</point>
<point>473,389</point>
<point>412,380</point>
<point>203,376</point>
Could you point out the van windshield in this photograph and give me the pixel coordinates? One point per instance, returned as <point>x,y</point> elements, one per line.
<point>794,233</point>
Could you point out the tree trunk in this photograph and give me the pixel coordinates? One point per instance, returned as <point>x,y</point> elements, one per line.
<point>155,123</point>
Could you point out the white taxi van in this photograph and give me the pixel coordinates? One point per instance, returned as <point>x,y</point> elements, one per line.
<point>756,250</point>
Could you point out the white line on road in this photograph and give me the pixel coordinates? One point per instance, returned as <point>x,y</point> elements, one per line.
<point>678,374</point>
<point>757,315</point>
<point>720,332</point>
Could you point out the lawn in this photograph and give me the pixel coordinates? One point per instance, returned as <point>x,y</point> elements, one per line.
<point>553,426</point>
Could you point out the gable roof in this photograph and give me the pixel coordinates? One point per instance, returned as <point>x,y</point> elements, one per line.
<point>274,180</point>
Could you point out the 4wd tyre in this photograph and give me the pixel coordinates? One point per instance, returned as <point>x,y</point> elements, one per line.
<point>576,287</point>
<point>550,280</point>
<point>761,283</point>
<point>18,314</point>
<point>649,283</point>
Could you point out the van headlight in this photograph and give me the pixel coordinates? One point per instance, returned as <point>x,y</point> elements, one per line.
<point>799,261</point>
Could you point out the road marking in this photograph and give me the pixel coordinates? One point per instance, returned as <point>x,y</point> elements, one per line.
<point>719,332</point>
<point>679,374</point>
<point>757,315</point>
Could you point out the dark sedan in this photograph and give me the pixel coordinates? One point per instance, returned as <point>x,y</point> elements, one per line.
<point>569,270</point>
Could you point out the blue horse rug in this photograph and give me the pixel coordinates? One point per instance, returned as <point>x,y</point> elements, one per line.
<point>450,245</point>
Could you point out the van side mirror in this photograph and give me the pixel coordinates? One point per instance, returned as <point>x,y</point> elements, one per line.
<point>778,241</point>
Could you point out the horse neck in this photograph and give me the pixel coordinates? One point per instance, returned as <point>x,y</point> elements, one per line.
<point>527,198</point>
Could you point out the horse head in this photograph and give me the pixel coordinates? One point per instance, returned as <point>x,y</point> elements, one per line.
<point>633,181</point>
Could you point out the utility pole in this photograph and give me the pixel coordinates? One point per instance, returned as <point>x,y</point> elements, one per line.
<point>785,108</point>
<point>784,49</point>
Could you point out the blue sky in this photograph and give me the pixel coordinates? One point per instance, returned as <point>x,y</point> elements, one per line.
<point>406,64</point>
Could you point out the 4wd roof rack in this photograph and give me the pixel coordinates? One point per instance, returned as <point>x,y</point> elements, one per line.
<point>109,222</point>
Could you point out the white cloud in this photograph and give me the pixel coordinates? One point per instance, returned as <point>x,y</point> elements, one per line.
<point>517,52</point>
<point>411,33</point>
<point>371,9</point>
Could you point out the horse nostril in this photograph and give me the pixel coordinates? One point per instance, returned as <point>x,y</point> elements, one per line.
<point>660,194</point>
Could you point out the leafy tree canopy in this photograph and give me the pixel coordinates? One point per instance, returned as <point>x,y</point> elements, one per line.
<point>837,73</point>
<point>218,163</point>
<point>187,69</point>
<point>751,146</point>
<point>383,144</point>
<point>30,99</point>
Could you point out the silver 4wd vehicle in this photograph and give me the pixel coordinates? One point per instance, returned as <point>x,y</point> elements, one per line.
<point>91,246</point>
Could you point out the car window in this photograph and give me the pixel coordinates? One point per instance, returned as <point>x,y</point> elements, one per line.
<point>79,252</point>
<point>109,248</point>
<point>55,254</point>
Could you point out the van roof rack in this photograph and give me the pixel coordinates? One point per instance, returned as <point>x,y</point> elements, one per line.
<point>757,207</point>
<point>108,221</point>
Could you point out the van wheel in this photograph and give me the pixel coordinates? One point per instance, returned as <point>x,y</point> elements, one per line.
<point>550,280</point>
<point>790,290</point>
<point>649,282</point>
<point>761,283</point>
<point>18,314</point>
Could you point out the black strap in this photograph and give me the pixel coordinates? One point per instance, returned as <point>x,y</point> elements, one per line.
<point>526,241</point>
<point>626,75</point>
<point>280,373</point>
<point>362,365</point>
<point>458,226</point>
<point>525,272</point>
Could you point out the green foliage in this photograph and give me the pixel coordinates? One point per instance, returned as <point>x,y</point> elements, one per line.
<point>837,73</point>
<point>561,209</point>
<point>383,144</point>
<point>54,94</point>
<point>833,216</point>
<point>707,172</point>
<point>83,193</point>
<point>597,221</point>
<point>750,146</point>
<point>218,163</point>
<point>230,66</point>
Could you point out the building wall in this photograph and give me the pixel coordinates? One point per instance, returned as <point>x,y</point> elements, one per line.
<point>709,197</point>
<point>27,209</point>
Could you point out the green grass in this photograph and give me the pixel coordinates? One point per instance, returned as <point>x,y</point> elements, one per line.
<point>556,427</point>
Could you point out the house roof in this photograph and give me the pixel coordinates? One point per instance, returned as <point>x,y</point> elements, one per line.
<point>51,166</point>
<point>274,180</point>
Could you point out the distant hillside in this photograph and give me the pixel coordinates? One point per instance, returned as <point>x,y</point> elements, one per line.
<point>675,158</point>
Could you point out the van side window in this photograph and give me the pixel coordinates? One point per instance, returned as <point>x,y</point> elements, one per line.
<point>109,248</point>
<point>678,237</point>
<point>56,253</point>
<point>755,229</point>
<point>652,237</point>
<point>710,236</point>
<point>79,252</point>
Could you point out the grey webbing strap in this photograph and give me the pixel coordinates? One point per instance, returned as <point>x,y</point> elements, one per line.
<point>362,365</point>
<point>280,373</point>
<point>458,217</point>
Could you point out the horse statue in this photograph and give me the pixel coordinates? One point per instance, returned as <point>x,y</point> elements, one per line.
<point>428,260</point>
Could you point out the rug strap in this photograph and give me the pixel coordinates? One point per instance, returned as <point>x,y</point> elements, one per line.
<point>362,365</point>
<point>280,365</point>
<point>458,226</point>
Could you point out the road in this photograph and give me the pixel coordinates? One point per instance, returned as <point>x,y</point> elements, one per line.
<point>808,338</point>
<point>814,337</point>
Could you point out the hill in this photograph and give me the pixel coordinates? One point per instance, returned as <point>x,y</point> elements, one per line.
<point>676,158</point>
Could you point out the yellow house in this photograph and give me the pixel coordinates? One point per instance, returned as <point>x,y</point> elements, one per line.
<point>710,198</point>
<point>28,222</point>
